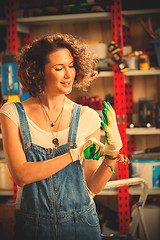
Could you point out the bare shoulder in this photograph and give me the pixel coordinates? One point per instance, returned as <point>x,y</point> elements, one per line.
<point>29,101</point>
<point>30,105</point>
<point>89,111</point>
<point>70,105</point>
<point>83,109</point>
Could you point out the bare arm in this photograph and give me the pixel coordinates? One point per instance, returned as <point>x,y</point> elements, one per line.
<point>24,172</point>
<point>97,174</point>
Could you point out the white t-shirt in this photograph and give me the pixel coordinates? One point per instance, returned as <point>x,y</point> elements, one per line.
<point>88,123</point>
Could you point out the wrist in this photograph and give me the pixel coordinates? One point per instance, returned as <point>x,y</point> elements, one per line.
<point>118,157</point>
<point>71,156</point>
<point>75,154</point>
<point>112,156</point>
<point>110,165</point>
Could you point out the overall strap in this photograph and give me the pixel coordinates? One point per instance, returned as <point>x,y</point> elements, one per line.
<point>74,125</point>
<point>26,136</point>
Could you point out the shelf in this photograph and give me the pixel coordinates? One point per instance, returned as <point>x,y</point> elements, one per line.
<point>66,18</point>
<point>132,73</point>
<point>139,131</point>
<point>105,74</point>
<point>78,17</point>
<point>138,190</point>
<point>6,192</point>
<point>143,131</point>
<point>142,72</point>
<point>132,191</point>
<point>140,12</point>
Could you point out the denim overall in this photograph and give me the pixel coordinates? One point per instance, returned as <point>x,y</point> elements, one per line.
<point>58,207</point>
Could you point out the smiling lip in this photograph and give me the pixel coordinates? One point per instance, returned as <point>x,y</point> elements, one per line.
<point>66,84</point>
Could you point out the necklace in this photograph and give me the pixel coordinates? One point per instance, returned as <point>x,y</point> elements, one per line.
<point>52,124</point>
<point>55,140</point>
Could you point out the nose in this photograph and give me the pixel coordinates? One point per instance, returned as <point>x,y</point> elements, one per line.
<point>68,73</point>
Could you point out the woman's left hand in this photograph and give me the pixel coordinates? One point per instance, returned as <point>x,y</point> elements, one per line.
<point>113,142</point>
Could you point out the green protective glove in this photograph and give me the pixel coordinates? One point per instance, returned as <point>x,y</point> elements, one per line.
<point>92,149</point>
<point>113,142</point>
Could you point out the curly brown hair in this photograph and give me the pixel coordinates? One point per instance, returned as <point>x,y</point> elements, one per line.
<point>34,56</point>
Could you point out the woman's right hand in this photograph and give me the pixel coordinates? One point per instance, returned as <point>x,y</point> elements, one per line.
<point>92,149</point>
<point>23,171</point>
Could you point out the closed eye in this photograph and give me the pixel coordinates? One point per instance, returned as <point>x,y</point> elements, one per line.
<point>72,65</point>
<point>58,69</point>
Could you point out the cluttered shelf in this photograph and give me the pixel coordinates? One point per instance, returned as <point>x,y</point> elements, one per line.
<point>132,73</point>
<point>78,17</point>
<point>132,191</point>
<point>143,131</point>
<point>4,192</point>
<point>137,186</point>
<point>65,18</point>
<point>140,131</point>
<point>142,72</point>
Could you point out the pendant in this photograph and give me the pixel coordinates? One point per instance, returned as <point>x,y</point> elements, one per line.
<point>55,142</point>
<point>52,124</point>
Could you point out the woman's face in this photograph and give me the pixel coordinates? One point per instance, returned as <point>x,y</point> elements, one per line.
<point>59,72</point>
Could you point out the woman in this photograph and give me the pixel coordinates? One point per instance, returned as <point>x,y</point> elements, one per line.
<point>45,138</point>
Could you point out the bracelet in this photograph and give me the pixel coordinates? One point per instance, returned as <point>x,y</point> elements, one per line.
<point>111,156</point>
<point>112,169</point>
<point>120,157</point>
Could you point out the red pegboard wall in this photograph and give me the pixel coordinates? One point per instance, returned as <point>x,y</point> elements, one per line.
<point>11,21</point>
<point>129,101</point>
<point>12,46</point>
<point>127,35</point>
<point>27,38</point>
<point>120,108</point>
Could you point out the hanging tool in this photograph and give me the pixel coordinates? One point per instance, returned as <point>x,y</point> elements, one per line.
<point>116,56</point>
<point>148,27</point>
